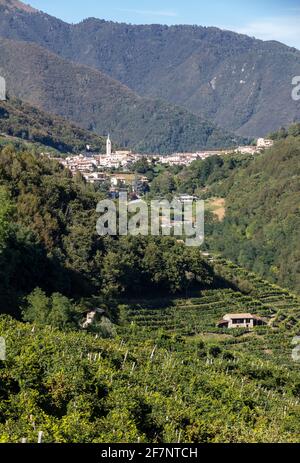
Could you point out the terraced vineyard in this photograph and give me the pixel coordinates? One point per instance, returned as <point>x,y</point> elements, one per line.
<point>284,305</point>
<point>193,316</point>
<point>74,387</point>
<point>196,317</point>
<point>168,374</point>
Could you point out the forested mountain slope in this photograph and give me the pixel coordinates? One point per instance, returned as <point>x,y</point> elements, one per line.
<point>96,102</point>
<point>27,123</point>
<point>261,229</point>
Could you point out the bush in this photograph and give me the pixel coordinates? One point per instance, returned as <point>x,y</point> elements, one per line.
<point>215,351</point>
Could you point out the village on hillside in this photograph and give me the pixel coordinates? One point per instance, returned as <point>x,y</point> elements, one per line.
<point>115,168</point>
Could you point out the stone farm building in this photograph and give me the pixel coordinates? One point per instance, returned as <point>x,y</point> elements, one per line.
<point>240,320</point>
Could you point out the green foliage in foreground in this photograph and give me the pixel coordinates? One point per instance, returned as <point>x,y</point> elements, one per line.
<point>57,310</point>
<point>167,375</point>
<point>76,388</point>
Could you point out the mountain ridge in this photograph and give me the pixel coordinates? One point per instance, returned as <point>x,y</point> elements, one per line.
<point>17,5</point>
<point>95,101</point>
<point>222,76</point>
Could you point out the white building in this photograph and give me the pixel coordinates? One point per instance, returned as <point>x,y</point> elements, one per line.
<point>240,320</point>
<point>264,143</point>
<point>247,150</point>
<point>96,177</point>
<point>92,316</point>
<point>184,198</point>
<point>117,180</point>
<point>116,160</point>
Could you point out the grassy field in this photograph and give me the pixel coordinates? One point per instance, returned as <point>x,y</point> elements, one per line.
<point>217,206</point>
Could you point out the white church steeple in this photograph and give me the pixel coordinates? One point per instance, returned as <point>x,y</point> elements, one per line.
<point>108,146</point>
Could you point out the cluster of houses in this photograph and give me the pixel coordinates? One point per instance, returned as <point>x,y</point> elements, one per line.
<point>94,168</point>
<point>185,159</point>
<point>97,170</point>
<point>90,163</point>
<point>123,160</point>
<point>137,185</point>
<point>261,144</point>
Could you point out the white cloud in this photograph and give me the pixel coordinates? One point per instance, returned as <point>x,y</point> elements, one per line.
<point>284,29</point>
<point>162,13</point>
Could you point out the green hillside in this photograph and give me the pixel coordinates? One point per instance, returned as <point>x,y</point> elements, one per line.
<point>48,239</point>
<point>261,229</point>
<point>168,375</point>
<point>252,205</point>
<point>29,124</point>
<point>197,315</point>
<point>96,102</point>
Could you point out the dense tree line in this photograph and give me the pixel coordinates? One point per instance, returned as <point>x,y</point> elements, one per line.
<point>197,177</point>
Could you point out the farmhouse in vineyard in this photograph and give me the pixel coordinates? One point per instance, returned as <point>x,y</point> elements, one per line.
<point>240,320</point>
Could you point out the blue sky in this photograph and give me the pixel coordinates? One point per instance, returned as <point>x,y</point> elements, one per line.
<point>264,19</point>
